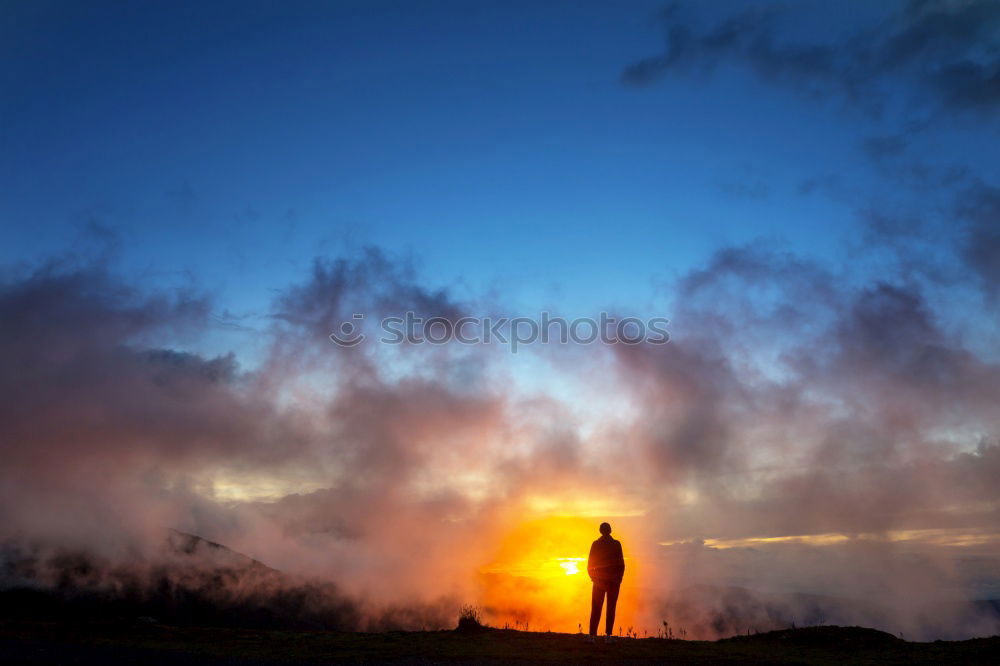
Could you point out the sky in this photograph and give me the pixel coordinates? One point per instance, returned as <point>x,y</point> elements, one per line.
<point>194,196</point>
<point>497,142</point>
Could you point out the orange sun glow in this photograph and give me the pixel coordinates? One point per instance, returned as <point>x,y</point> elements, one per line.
<point>538,578</point>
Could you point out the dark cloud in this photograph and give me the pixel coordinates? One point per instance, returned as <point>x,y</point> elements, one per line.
<point>953,244</point>
<point>945,53</point>
<point>864,381</point>
<point>979,206</point>
<point>373,280</point>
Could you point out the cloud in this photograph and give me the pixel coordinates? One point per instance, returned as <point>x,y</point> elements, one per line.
<point>945,53</point>
<point>115,429</point>
<point>979,206</point>
<point>790,401</point>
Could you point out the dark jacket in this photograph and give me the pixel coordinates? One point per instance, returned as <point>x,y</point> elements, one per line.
<point>606,563</point>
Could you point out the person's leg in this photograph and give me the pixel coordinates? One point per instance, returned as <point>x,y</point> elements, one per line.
<point>596,601</point>
<point>612,602</point>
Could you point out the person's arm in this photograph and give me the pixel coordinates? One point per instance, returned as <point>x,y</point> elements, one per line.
<point>591,569</point>
<point>620,564</point>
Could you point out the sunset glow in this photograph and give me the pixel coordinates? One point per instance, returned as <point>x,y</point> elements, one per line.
<point>539,576</point>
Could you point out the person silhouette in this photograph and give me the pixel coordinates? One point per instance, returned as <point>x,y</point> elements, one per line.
<point>606,567</point>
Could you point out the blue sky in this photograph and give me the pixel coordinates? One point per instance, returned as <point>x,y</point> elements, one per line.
<point>493,141</point>
<point>499,145</point>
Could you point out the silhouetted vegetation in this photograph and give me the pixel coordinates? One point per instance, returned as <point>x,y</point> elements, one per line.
<point>470,619</point>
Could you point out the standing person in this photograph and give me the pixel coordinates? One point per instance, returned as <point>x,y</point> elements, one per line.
<point>606,566</point>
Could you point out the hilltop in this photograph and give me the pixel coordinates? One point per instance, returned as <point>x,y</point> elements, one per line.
<point>148,643</point>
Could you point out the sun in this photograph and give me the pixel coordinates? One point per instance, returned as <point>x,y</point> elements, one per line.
<point>570,565</point>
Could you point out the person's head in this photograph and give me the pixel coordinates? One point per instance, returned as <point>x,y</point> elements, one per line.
<point>605,529</point>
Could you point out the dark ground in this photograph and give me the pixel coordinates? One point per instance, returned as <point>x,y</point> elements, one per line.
<point>148,643</point>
